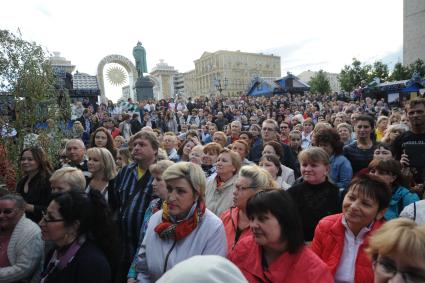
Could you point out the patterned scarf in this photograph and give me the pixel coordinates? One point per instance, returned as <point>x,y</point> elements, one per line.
<point>169,230</point>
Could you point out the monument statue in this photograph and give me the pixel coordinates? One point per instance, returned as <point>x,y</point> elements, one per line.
<point>139,54</point>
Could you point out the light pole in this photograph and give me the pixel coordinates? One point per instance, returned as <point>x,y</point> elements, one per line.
<point>220,84</point>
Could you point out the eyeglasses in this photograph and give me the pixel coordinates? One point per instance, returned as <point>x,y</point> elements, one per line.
<point>385,267</point>
<point>46,219</point>
<point>267,129</point>
<point>284,127</point>
<point>7,211</point>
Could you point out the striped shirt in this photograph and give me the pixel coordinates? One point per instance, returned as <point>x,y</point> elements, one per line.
<point>132,211</point>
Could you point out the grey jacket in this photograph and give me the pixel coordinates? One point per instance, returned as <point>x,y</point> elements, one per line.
<point>25,253</point>
<point>208,238</point>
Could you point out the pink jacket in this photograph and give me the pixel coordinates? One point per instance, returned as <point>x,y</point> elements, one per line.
<point>230,222</point>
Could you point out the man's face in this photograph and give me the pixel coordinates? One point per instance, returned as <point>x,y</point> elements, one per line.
<point>169,142</point>
<point>9,215</point>
<point>75,152</point>
<point>142,150</point>
<point>268,132</point>
<point>416,115</point>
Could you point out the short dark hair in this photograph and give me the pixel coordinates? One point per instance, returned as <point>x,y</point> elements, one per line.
<point>372,187</point>
<point>366,118</point>
<point>331,137</point>
<point>275,160</point>
<point>280,204</point>
<point>277,148</point>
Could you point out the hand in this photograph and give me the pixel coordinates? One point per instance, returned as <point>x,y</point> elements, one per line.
<point>404,160</point>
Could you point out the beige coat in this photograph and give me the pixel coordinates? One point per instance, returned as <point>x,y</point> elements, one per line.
<point>218,200</point>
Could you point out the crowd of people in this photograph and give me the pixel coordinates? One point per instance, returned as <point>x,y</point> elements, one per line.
<point>287,188</point>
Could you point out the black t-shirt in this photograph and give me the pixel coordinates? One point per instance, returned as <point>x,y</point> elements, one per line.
<point>359,158</point>
<point>398,149</point>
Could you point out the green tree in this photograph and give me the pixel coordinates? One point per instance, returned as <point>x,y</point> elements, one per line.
<point>418,66</point>
<point>27,76</point>
<point>354,75</point>
<point>379,70</point>
<point>320,83</point>
<point>399,73</point>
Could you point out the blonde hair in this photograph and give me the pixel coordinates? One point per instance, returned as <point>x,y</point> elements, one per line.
<point>345,125</point>
<point>314,154</point>
<point>162,154</point>
<point>160,166</point>
<point>107,160</point>
<point>191,172</point>
<point>235,157</point>
<point>401,236</point>
<point>260,178</point>
<point>74,177</point>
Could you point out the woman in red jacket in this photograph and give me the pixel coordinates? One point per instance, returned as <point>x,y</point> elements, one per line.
<point>276,251</point>
<point>251,179</point>
<point>340,239</point>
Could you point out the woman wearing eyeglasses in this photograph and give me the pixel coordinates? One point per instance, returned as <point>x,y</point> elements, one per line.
<point>250,180</point>
<point>398,252</point>
<point>34,187</point>
<point>80,225</point>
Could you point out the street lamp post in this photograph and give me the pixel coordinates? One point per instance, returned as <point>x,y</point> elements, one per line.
<point>220,84</point>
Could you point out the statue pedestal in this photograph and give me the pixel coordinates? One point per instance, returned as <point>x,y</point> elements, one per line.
<point>144,89</point>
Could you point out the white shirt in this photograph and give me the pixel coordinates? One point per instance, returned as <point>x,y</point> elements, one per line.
<point>347,265</point>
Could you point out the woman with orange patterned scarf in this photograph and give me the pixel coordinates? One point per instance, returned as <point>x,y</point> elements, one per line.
<point>184,227</point>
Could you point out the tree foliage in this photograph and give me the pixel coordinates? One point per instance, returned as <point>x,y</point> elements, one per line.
<point>354,75</point>
<point>379,70</point>
<point>399,73</point>
<point>27,77</point>
<point>319,83</point>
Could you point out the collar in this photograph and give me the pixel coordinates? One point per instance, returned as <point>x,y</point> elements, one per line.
<point>362,232</point>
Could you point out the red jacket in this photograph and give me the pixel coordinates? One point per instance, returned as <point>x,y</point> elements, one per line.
<point>115,132</point>
<point>230,222</point>
<point>301,267</point>
<point>328,244</point>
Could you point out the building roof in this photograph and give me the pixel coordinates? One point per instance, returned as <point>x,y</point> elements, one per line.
<point>85,81</point>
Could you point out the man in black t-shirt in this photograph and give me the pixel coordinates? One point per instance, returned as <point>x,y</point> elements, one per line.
<point>415,111</point>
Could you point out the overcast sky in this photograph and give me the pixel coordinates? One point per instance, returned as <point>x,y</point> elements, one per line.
<point>313,34</point>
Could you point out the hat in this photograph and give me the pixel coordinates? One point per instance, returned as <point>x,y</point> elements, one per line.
<point>205,269</point>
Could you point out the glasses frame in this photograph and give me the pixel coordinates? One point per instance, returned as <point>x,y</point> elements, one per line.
<point>45,219</point>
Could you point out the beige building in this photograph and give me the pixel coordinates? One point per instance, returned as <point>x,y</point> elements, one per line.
<point>333,79</point>
<point>163,77</point>
<point>413,31</point>
<point>233,69</point>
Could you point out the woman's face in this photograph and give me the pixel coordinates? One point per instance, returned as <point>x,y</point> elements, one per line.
<point>28,163</point>
<point>209,158</point>
<point>344,133</point>
<point>268,150</point>
<point>363,129</point>
<point>382,154</point>
<point>245,137</point>
<point>100,139</point>
<point>269,167</point>
<point>195,155</point>
<point>240,149</point>
<point>387,177</point>
<point>254,131</point>
<point>159,187</point>
<point>295,141</point>
<point>242,192</point>
<point>327,147</point>
<point>224,164</point>
<point>94,164</point>
<point>383,125</point>
<point>394,266</point>
<point>359,210</point>
<point>394,134</point>
<point>314,172</point>
<point>337,121</point>
<point>118,142</point>
<point>53,227</point>
<point>120,161</point>
<point>266,230</point>
<point>180,197</point>
<point>188,147</point>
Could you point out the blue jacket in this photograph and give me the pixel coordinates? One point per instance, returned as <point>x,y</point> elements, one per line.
<point>401,198</point>
<point>341,171</point>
